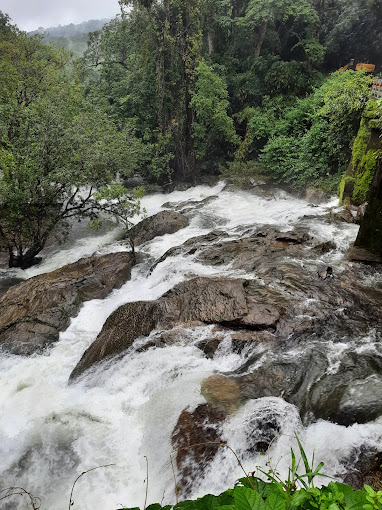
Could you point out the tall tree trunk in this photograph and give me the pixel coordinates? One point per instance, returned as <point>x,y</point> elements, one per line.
<point>320,6</point>
<point>190,168</point>
<point>11,257</point>
<point>260,38</point>
<point>210,42</point>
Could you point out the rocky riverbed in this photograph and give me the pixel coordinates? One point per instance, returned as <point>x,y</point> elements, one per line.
<point>243,321</point>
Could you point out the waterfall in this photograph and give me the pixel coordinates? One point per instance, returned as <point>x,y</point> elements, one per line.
<point>126,408</point>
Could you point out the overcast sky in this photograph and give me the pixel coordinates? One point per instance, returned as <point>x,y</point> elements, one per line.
<point>31,14</point>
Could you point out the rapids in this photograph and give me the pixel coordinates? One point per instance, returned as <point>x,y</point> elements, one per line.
<point>126,409</point>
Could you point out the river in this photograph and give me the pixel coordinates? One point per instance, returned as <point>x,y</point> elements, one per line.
<point>122,411</point>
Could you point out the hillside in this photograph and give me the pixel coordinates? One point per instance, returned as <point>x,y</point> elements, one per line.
<point>71,37</point>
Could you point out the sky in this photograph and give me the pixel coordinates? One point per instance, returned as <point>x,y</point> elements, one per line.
<point>32,14</point>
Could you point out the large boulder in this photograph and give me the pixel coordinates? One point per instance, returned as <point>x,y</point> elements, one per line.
<point>237,303</point>
<point>351,394</point>
<point>165,222</point>
<point>343,214</point>
<point>34,312</point>
<point>222,392</point>
<point>193,430</point>
<point>248,253</point>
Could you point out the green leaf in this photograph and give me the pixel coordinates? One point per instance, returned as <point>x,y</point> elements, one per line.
<point>303,455</point>
<point>354,500</point>
<point>275,502</point>
<point>208,502</point>
<point>248,499</point>
<point>298,498</point>
<point>225,498</point>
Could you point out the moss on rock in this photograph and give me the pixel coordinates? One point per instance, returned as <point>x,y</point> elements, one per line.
<point>366,154</point>
<point>365,175</point>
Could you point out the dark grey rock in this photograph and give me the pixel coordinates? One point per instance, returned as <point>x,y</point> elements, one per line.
<point>35,311</point>
<point>165,222</point>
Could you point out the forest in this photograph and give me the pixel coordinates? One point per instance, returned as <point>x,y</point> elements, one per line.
<point>173,91</point>
<point>235,329</point>
<point>71,37</point>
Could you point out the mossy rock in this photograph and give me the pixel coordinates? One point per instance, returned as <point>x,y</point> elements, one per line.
<point>366,153</point>
<point>365,176</point>
<point>346,188</point>
<point>360,143</point>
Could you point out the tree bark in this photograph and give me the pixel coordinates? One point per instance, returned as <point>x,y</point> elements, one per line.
<point>210,44</point>
<point>260,38</point>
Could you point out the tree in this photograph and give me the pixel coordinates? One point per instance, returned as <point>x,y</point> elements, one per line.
<point>263,13</point>
<point>120,204</point>
<point>311,142</point>
<point>156,46</point>
<point>354,31</point>
<point>56,149</point>
<point>213,130</point>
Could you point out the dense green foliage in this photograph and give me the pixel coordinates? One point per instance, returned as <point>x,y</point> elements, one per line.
<point>254,494</point>
<point>56,148</point>
<point>210,82</point>
<point>311,142</point>
<point>175,88</point>
<point>297,492</point>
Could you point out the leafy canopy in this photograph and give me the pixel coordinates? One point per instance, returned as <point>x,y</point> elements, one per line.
<point>56,148</point>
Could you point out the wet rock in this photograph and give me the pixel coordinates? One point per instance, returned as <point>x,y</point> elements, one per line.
<point>360,213</point>
<point>289,378</point>
<point>248,253</point>
<point>363,255</point>
<point>134,182</point>
<point>326,273</point>
<point>230,302</point>
<point>315,196</point>
<point>256,425</point>
<point>201,425</point>
<point>292,237</point>
<point>264,425</point>
<point>351,394</point>
<point>209,346</point>
<point>188,204</point>
<point>325,247</point>
<point>165,222</point>
<point>222,392</point>
<point>240,339</point>
<point>175,336</point>
<point>35,311</point>
<point>191,246</point>
<point>267,381</point>
<point>364,468</point>
<point>8,281</point>
<point>343,214</point>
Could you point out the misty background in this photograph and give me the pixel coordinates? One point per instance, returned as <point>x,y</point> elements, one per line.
<point>30,16</point>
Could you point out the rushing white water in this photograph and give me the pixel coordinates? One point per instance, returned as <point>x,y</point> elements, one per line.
<point>126,409</point>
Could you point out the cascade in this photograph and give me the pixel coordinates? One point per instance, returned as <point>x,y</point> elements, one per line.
<point>126,408</point>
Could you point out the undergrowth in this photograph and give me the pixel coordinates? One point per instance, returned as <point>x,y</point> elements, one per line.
<point>272,496</point>
<point>296,493</point>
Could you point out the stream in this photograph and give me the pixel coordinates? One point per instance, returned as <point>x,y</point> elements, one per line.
<point>125,410</point>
